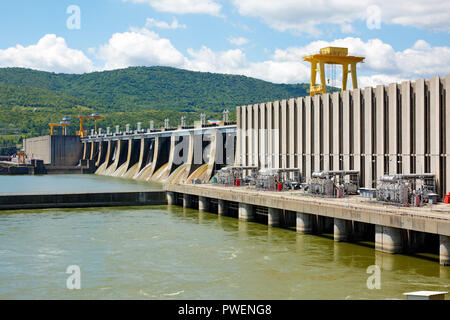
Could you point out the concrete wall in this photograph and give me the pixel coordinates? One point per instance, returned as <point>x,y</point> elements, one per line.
<point>38,148</point>
<point>397,128</point>
<point>54,150</point>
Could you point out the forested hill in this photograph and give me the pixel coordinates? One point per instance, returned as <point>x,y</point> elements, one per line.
<point>30,99</point>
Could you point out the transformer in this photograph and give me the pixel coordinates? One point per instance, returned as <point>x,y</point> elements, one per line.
<point>334,184</point>
<point>407,189</point>
<point>235,176</point>
<point>278,179</point>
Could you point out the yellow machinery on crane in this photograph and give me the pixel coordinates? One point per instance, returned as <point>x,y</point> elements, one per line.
<point>63,124</point>
<point>96,117</point>
<point>82,132</point>
<point>333,56</point>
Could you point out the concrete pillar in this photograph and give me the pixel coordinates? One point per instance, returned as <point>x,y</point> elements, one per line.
<point>393,128</point>
<point>435,130</point>
<point>356,130</point>
<point>342,229</point>
<point>300,136</point>
<point>222,207</point>
<point>444,250</point>
<point>284,133</point>
<point>270,128</point>
<point>317,134</point>
<point>238,153</point>
<point>203,204</point>
<point>187,200</point>
<point>246,212</point>
<point>274,217</point>
<point>368,137</point>
<point>380,131</point>
<point>276,135</point>
<point>326,131</point>
<point>346,129</point>
<point>406,122</point>
<point>336,134</point>
<point>171,198</point>
<point>291,134</point>
<point>250,130</point>
<point>262,158</point>
<point>388,239</point>
<point>244,137</point>
<point>308,146</point>
<point>420,125</point>
<point>446,137</point>
<point>304,223</point>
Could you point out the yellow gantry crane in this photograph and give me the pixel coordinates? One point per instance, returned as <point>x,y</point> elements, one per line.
<point>63,124</point>
<point>96,117</point>
<point>333,56</point>
<point>82,132</point>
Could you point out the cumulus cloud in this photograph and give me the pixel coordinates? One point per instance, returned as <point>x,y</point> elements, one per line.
<point>239,41</point>
<point>307,16</point>
<point>143,47</point>
<point>163,24</point>
<point>210,7</point>
<point>50,53</point>
<point>138,47</point>
<point>382,64</point>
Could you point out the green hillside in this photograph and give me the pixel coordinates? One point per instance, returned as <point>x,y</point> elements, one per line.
<point>30,99</point>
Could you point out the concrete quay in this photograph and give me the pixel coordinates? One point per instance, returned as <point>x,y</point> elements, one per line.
<point>393,229</point>
<point>81,200</point>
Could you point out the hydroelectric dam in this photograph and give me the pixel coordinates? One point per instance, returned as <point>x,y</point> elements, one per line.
<point>394,140</point>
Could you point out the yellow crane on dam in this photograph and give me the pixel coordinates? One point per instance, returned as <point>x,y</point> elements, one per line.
<point>82,132</point>
<point>63,124</point>
<point>332,56</point>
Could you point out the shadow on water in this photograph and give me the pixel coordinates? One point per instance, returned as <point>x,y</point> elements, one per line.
<point>356,254</point>
<point>173,250</point>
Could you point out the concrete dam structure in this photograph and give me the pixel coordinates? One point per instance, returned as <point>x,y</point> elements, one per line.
<point>392,129</point>
<point>169,156</point>
<point>398,129</point>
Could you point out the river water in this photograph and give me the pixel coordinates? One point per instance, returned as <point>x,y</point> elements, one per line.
<point>168,252</point>
<point>60,183</point>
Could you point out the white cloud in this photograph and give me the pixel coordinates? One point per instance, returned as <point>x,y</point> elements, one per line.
<point>239,41</point>
<point>143,47</point>
<point>382,64</point>
<point>163,24</point>
<point>307,16</point>
<point>49,54</point>
<point>183,6</point>
<point>139,47</point>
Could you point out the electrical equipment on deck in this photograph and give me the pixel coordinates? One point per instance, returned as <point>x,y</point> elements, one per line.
<point>334,184</point>
<point>277,179</point>
<point>407,189</point>
<point>236,175</point>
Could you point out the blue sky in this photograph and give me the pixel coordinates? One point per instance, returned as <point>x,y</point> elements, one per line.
<point>405,39</point>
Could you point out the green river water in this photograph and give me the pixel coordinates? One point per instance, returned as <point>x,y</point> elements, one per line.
<point>167,252</point>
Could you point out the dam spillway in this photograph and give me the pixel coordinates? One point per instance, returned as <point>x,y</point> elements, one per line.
<point>175,156</point>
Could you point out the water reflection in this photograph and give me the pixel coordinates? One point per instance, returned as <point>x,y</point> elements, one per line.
<point>157,252</point>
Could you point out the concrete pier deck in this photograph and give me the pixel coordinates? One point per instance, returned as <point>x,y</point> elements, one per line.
<point>396,229</point>
<point>82,200</point>
<point>431,218</point>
